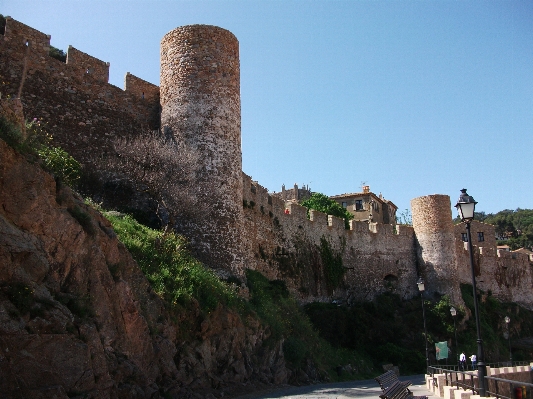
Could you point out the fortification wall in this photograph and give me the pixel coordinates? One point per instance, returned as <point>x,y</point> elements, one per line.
<point>81,109</point>
<point>507,275</point>
<point>291,247</point>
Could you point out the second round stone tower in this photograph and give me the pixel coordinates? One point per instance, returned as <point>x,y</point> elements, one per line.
<point>200,100</point>
<point>433,225</point>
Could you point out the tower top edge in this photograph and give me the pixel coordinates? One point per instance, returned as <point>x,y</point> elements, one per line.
<point>435,196</point>
<point>199,28</point>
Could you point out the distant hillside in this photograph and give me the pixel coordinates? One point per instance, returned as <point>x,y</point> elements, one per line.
<point>513,228</point>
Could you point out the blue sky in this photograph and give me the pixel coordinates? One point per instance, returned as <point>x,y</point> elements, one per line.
<point>411,97</point>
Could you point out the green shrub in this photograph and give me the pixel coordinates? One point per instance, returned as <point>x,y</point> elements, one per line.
<point>57,54</point>
<point>333,267</point>
<point>295,351</point>
<point>61,164</point>
<point>37,141</point>
<point>10,134</point>
<point>172,271</point>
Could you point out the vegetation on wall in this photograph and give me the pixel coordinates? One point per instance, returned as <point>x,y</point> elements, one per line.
<point>405,218</point>
<point>332,263</point>
<point>277,308</point>
<point>322,203</point>
<point>58,54</point>
<point>178,279</point>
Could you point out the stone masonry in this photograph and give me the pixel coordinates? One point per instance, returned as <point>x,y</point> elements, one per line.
<point>246,227</point>
<point>200,104</point>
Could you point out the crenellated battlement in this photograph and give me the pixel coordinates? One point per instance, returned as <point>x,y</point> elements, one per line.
<point>259,198</point>
<point>74,98</point>
<point>20,35</point>
<point>85,65</point>
<point>141,89</point>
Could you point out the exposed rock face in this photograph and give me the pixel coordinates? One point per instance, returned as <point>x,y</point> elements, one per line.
<point>77,316</point>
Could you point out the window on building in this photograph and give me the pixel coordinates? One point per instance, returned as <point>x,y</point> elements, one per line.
<point>464,237</point>
<point>344,204</point>
<point>358,205</point>
<point>480,236</point>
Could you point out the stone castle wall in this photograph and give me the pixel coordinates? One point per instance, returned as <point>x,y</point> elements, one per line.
<point>247,227</point>
<point>287,245</point>
<point>82,110</point>
<point>506,275</point>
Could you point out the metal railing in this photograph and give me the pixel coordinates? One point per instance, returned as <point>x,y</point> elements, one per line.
<point>498,387</point>
<point>467,380</point>
<point>455,367</point>
<point>508,389</point>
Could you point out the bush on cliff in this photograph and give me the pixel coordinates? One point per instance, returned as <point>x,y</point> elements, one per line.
<point>175,275</point>
<point>36,143</point>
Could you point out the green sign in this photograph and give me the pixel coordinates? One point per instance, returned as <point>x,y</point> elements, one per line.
<point>441,348</point>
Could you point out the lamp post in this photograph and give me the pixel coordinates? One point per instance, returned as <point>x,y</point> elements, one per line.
<point>454,313</point>
<point>422,288</point>
<point>466,206</point>
<point>507,321</point>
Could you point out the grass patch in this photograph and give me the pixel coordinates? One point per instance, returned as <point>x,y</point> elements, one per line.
<point>175,275</point>
<point>178,278</point>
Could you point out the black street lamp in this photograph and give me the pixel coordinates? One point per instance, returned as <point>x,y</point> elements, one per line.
<point>421,288</point>
<point>466,207</point>
<point>454,313</point>
<point>507,321</point>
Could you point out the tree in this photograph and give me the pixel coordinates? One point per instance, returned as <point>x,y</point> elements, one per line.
<point>322,203</point>
<point>405,218</point>
<point>58,54</point>
<point>163,168</point>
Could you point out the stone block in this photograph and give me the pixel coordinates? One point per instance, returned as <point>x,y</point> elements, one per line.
<point>461,394</point>
<point>441,383</point>
<point>449,392</point>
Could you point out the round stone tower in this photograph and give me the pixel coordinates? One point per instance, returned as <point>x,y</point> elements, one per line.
<point>200,100</point>
<point>433,226</point>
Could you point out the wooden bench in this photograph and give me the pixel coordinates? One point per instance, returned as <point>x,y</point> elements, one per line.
<point>398,390</point>
<point>393,388</point>
<point>387,379</point>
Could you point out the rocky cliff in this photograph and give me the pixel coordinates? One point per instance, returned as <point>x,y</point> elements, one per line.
<point>79,319</point>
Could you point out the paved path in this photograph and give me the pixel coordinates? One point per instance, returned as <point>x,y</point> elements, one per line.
<point>341,390</point>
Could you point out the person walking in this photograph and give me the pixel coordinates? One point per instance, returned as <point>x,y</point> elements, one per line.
<point>462,361</point>
<point>473,359</point>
